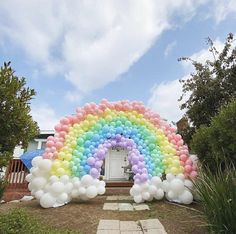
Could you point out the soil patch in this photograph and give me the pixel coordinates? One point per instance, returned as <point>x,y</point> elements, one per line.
<point>84,216</point>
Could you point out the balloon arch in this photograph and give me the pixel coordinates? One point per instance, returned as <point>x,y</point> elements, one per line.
<point>71,164</point>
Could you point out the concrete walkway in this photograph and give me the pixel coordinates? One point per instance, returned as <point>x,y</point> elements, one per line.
<point>149,226</point>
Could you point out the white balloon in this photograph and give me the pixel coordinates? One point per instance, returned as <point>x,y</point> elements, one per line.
<point>53,179</point>
<point>180,176</point>
<point>152,189</point>
<point>159,194</point>
<point>138,199</point>
<point>68,187</point>
<point>145,195</point>
<point>57,187</point>
<point>65,179</point>
<point>38,182</point>
<point>186,197</point>
<point>156,181</point>
<point>77,184</point>
<point>91,191</point>
<point>36,172</point>
<point>82,191</point>
<point>170,177</point>
<point>45,164</point>
<point>170,195</point>
<point>166,185</point>
<point>75,193</point>
<point>62,198</point>
<point>144,186</point>
<point>102,183</point>
<point>136,189</point>
<point>38,194</point>
<point>188,184</point>
<point>87,180</point>
<point>101,190</point>
<point>177,186</point>
<point>74,179</point>
<point>36,160</point>
<point>47,200</point>
<point>29,177</point>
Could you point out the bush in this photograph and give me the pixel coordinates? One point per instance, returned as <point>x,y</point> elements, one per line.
<point>216,143</point>
<point>18,221</point>
<point>2,187</point>
<point>217,192</point>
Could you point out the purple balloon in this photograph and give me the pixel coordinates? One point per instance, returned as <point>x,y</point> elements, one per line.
<point>91,161</point>
<point>94,173</point>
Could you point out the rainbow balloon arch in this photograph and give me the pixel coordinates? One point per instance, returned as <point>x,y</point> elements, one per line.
<point>71,165</point>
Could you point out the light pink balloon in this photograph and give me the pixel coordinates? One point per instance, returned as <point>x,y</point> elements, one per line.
<point>188,168</point>
<point>58,127</point>
<point>193,174</point>
<point>183,157</point>
<point>50,143</point>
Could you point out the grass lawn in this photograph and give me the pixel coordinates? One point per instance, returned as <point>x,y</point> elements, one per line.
<point>84,216</point>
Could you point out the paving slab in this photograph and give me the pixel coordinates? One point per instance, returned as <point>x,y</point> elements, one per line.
<point>125,198</point>
<point>112,198</point>
<point>125,207</point>
<point>151,224</point>
<point>129,226</point>
<point>108,232</point>
<point>106,224</point>
<point>155,231</point>
<point>131,232</point>
<point>110,206</point>
<point>141,206</point>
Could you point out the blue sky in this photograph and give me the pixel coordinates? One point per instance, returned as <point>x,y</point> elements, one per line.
<point>73,53</point>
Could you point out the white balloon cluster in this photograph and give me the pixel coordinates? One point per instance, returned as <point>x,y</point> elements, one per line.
<point>177,189</point>
<point>148,190</point>
<point>53,191</point>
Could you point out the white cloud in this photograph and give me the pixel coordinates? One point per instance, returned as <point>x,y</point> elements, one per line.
<point>164,100</point>
<point>221,9</point>
<point>164,96</point>
<point>45,116</point>
<point>89,42</point>
<point>73,96</point>
<point>169,48</point>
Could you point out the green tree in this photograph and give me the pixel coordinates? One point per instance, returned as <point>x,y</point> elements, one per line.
<point>215,144</point>
<point>211,85</point>
<point>16,123</point>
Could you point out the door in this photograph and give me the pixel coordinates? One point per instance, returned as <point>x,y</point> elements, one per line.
<point>115,163</point>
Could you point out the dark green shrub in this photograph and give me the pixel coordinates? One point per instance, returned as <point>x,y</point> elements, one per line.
<point>217,143</point>
<point>18,221</point>
<point>2,186</point>
<point>217,192</point>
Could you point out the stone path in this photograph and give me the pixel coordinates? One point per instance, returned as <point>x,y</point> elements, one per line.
<point>119,198</point>
<point>125,206</point>
<point>149,226</point>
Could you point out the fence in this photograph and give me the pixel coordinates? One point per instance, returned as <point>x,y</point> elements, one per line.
<point>17,187</point>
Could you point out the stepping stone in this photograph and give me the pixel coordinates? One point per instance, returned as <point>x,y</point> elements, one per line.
<point>152,226</point>
<point>108,232</point>
<point>129,226</point>
<point>141,206</point>
<point>110,206</point>
<point>112,198</point>
<point>155,231</point>
<point>125,198</point>
<point>106,224</point>
<point>131,232</point>
<point>125,207</point>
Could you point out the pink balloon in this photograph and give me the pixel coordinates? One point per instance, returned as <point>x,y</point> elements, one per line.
<point>58,145</point>
<point>189,162</point>
<point>64,121</point>
<point>58,127</point>
<point>193,174</point>
<point>188,168</point>
<point>50,143</point>
<point>183,157</point>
